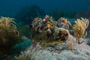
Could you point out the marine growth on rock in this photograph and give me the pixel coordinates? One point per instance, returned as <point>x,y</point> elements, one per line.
<point>48,32</point>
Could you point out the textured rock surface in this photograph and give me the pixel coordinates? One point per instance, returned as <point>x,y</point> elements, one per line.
<point>60,52</point>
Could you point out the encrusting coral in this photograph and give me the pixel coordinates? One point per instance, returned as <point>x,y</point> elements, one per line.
<point>9,35</point>
<point>80,27</point>
<point>42,30</point>
<point>63,23</point>
<point>61,34</point>
<point>49,32</point>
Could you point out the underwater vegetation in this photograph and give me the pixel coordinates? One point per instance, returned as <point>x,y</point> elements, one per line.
<point>9,35</point>
<point>49,32</point>
<point>27,14</point>
<point>57,40</point>
<point>80,27</point>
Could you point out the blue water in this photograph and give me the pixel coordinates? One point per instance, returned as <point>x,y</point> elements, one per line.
<point>12,7</point>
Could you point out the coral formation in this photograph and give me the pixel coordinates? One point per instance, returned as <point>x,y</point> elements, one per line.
<point>61,34</point>
<point>80,27</point>
<point>9,35</point>
<point>42,30</point>
<point>52,40</point>
<point>49,32</point>
<point>62,22</point>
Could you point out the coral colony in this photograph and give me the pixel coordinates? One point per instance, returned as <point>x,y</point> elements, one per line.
<point>48,32</point>
<point>57,40</point>
<point>45,33</point>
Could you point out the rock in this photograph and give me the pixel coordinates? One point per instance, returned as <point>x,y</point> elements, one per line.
<point>58,52</point>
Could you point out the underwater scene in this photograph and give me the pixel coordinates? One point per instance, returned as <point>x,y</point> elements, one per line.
<point>44,29</point>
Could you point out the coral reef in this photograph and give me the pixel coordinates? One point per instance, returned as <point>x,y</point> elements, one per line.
<point>62,22</point>
<point>9,35</point>
<point>49,32</point>
<point>80,27</point>
<point>52,40</point>
<point>42,30</point>
<point>61,34</point>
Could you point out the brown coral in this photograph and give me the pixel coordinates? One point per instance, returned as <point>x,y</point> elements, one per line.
<point>42,31</point>
<point>67,24</point>
<point>45,32</point>
<point>61,34</point>
<point>80,27</point>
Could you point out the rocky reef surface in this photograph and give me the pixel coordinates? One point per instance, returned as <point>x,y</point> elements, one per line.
<point>58,52</point>
<point>57,40</point>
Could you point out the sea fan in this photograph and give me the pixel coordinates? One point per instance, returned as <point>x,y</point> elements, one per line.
<point>80,27</point>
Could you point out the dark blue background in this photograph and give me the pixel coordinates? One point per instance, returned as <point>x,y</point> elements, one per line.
<point>12,7</point>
